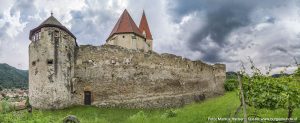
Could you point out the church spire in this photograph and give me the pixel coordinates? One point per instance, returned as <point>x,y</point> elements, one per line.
<point>125,24</point>
<point>144,28</point>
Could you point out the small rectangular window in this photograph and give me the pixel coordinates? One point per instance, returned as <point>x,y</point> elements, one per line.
<point>50,61</point>
<point>36,37</point>
<point>133,37</point>
<point>56,33</point>
<point>33,63</point>
<point>40,35</point>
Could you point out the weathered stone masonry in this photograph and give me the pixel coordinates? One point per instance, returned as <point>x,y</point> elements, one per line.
<point>136,79</point>
<point>51,68</point>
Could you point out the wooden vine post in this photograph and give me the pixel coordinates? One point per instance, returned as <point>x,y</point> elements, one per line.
<point>243,99</point>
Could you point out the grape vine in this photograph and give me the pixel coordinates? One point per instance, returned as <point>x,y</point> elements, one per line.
<point>264,91</point>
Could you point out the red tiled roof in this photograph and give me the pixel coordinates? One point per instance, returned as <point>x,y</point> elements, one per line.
<point>144,26</point>
<point>125,24</point>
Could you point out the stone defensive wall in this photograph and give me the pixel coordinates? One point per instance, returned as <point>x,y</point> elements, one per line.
<point>119,77</point>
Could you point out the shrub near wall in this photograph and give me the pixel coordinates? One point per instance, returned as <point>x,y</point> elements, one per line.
<point>230,85</point>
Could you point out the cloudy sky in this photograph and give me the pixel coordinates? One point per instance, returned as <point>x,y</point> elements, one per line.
<point>214,31</point>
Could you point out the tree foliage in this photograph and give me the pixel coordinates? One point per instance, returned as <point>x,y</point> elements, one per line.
<point>230,84</point>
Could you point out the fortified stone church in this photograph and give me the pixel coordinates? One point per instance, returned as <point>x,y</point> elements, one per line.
<point>128,35</point>
<point>124,72</point>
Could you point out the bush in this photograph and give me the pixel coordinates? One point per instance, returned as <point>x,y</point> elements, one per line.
<point>230,84</point>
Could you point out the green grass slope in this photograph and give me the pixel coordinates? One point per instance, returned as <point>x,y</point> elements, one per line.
<point>11,77</point>
<point>220,107</point>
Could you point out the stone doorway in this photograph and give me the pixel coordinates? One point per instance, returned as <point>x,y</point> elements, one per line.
<point>87,98</point>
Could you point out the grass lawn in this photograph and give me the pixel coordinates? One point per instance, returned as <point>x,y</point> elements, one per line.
<point>219,107</point>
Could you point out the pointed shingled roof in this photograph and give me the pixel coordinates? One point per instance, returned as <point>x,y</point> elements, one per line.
<point>144,26</point>
<point>125,24</point>
<point>51,22</point>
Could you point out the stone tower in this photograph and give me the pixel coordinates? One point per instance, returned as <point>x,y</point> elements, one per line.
<point>126,34</point>
<point>51,65</point>
<point>144,28</point>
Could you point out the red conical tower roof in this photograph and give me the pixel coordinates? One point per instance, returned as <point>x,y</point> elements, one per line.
<point>125,24</point>
<point>144,26</point>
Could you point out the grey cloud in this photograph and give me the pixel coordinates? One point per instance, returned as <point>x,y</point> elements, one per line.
<point>296,46</point>
<point>3,30</point>
<point>219,24</point>
<point>286,51</point>
<point>25,7</point>
<point>281,49</point>
<point>92,26</point>
<point>222,17</point>
<point>271,20</point>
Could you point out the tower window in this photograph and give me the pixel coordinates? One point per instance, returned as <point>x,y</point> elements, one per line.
<point>123,36</point>
<point>134,37</point>
<point>56,33</point>
<point>33,63</point>
<point>50,61</point>
<point>38,35</point>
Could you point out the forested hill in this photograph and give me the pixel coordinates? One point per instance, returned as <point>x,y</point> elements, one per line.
<point>11,77</point>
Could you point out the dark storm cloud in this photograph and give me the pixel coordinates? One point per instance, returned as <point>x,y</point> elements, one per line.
<point>285,51</point>
<point>222,17</point>
<point>91,25</point>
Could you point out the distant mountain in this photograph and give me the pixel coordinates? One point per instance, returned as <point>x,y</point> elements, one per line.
<point>233,75</point>
<point>11,77</point>
<point>280,75</point>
